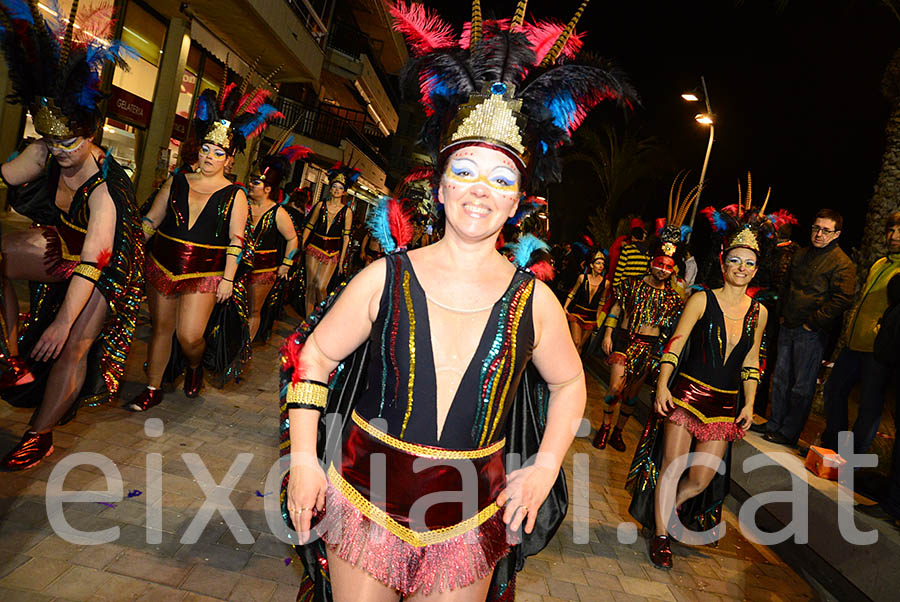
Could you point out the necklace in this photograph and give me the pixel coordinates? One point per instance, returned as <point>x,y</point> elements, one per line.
<point>458,309</point>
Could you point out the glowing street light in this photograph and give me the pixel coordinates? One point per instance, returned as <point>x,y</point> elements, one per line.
<point>707,120</point>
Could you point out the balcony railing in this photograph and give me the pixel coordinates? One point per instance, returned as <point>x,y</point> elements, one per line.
<point>352,42</point>
<point>331,124</point>
<point>311,20</point>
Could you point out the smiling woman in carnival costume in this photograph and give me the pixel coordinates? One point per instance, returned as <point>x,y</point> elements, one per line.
<point>85,257</point>
<point>706,386</point>
<point>449,356</point>
<point>201,231</point>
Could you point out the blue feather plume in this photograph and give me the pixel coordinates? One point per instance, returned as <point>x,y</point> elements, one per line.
<point>18,10</point>
<point>262,115</point>
<point>524,248</point>
<point>563,108</point>
<point>685,230</point>
<point>379,225</point>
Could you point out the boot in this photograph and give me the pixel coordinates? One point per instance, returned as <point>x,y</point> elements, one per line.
<point>615,440</point>
<point>661,552</point>
<point>33,448</point>
<point>17,373</point>
<point>146,400</point>
<point>601,436</point>
<point>193,380</point>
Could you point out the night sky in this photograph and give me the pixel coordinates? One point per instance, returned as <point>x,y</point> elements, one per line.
<point>796,94</point>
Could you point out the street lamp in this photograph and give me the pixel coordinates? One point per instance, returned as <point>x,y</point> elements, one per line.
<point>703,119</point>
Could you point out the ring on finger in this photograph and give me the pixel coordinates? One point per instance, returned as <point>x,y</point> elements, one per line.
<point>523,507</point>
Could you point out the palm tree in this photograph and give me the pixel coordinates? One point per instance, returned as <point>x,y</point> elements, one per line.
<point>618,162</point>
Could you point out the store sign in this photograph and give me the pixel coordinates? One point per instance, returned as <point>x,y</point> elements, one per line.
<point>128,107</point>
<point>179,128</point>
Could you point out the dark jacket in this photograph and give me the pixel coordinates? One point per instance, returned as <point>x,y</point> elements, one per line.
<point>819,287</point>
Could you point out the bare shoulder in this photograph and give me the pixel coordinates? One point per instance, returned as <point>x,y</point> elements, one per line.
<point>100,197</point>
<point>696,303</point>
<point>545,302</point>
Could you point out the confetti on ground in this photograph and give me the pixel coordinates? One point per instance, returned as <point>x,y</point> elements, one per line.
<point>134,493</point>
<point>107,504</point>
<point>287,562</point>
<point>261,494</point>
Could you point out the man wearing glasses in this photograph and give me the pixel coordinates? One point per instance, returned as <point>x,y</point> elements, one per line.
<point>818,289</point>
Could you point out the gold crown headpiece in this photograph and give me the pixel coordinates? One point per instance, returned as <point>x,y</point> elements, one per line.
<point>745,237</point>
<point>49,120</point>
<point>671,235</point>
<point>493,116</point>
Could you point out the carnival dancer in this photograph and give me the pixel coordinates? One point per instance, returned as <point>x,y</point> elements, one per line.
<point>274,234</point>
<point>326,236</point>
<point>586,299</point>
<point>646,310</point>
<point>201,222</point>
<point>704,394</point>
<point>85,259</point>
<point>429,349</point>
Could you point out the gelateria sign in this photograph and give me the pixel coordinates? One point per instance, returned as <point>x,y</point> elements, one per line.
<point>130,108</point>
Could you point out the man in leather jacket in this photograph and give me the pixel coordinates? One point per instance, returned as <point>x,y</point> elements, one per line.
<point>818,289</point>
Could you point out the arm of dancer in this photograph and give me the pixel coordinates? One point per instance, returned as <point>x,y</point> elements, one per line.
<point>27,165</point>
<point>240,213</point>
<point>98,241</point>
<point>363,247</point>
<point>572,292</point>
<point>750,374</point>
<point>557,361</point>
<point>157,213</point>
<point>342,330</point>
<point>310,223</point>
<point>345,237</point>
<point>286,229</point>
<point>612,319</point>
<point>695,307</point>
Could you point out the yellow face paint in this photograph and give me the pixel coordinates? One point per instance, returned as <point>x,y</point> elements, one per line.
<point>69,145</point>
<point>501,178</point>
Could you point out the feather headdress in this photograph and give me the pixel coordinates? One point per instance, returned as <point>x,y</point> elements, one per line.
<point>671,231</point>
<point>274,165</point>
<point>499,84</point>
<point>232,117</point>
<point>55,64</point>
<point>344,174</point>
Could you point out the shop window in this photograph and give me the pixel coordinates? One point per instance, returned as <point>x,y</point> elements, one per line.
<point>122,139</point>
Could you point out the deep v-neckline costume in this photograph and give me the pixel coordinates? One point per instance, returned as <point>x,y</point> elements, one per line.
<point>121,278</point>
<point>706,388</point>
<point>185,257</point>
<point>326,236</point>
<point>268,247</point>
<point>396,415</point>
<point>584,305</point>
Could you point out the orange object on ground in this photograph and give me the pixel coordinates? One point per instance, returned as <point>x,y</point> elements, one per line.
<point>823,462</point>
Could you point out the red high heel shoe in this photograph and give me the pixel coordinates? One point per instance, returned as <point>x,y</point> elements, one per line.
<point>600,438</point>
<point>33,448</point>
<point>17,373</point>
<point>145,400</point>
<point>615,440</point>
<point>193,380</point>
<point>661,552</point>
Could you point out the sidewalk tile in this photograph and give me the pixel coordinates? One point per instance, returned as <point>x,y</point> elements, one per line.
<point>210,581</point>
<point>251,589</point>
<point>35,574</point>
<point>78,583</point>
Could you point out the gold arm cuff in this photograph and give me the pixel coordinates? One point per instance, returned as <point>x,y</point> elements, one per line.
<point>148,229</point>
<point>750,373</point>
<point>669,358</point>
<point>233,251</point>
<point>87,271</point>
<point>307,394</point>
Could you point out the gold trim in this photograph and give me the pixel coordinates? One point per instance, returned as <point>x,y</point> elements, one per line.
<point>424,451</point>
<point>188,242</point>
<point>179,277</point>
<point>418,539</point>
<point>699,414</point>
<point>710,387</point>
<point>308,394</point>
<point>71,225</point>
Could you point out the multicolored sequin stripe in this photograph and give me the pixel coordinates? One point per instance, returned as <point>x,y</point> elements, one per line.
<point>499,366</point>
<point>649,306</point>
<point>644,472</point>
<point>716,338</point>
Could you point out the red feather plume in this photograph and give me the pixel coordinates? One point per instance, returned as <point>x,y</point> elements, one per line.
<point>543,271</point>
<point>225,94</point>
<point>103,258</point>
<point>400,223</point>
<point>543,34</point>
<point>295,152</point>
<point>419,174</point>
<point>423,28</point>
<point>290,356</point>
<point>250,103</point>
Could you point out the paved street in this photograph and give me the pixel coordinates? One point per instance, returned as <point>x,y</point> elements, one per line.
<point>35,564</point>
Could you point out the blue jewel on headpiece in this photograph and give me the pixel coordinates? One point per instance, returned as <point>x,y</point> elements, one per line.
<point>224,122</point>
<point>498,88</point>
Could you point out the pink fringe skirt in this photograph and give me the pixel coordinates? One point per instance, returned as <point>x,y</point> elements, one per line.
<point>702,431</point>
<point>455,563</point>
